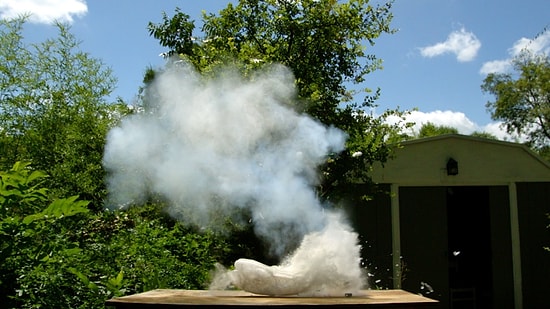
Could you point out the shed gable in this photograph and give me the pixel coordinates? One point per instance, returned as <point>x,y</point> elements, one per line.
<point>480,162</point>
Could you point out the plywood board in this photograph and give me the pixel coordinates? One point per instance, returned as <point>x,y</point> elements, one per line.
<point>185,298</point>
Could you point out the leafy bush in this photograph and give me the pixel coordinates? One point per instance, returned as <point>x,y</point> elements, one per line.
<point>58,254</point>
<point>36,247</point>
<point>153,251</point>
<point>56,110</point>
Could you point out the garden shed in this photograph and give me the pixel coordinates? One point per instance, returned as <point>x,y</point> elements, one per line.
<point>460,219</point>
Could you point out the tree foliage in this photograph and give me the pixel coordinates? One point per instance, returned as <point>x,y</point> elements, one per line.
<point>323,42</point>
<point>430,129</point>
<point>33,233</point>
<point>53,109</point>
<point>55,253</point>
<point>522,98</point>
<point>482,134</point>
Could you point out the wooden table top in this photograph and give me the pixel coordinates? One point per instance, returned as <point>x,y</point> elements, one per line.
<point>233,299</point>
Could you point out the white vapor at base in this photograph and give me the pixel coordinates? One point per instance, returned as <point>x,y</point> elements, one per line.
<point>323,265</point>
<point>255,277</point>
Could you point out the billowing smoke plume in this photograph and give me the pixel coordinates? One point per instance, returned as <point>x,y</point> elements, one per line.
<point>215,146</point>
<point>325,264</point>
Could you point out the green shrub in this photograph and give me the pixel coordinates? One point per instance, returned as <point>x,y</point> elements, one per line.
<point>152,250</point>
<point>37,244</point>
<point>56,253</point>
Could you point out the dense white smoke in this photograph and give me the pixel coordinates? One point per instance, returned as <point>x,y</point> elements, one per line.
<point>215,147</point>
<point>325,264</point>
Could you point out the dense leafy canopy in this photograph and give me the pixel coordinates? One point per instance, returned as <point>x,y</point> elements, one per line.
<point>430,129</point>
<point>54,110</point>
<point>522,100</point>
<point>66,252</point>
<point>324,44</point>
<point>55,253</point>
<point>63,252</point>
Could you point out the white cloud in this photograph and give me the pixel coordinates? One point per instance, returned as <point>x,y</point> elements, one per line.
<point>463,44</point>
<point>43,11</point>
<point>453,119</point>
<point>518,46</point>
<point>495,66</point>
<point>497,129</point>
<point>539,45</point>
<point>456,120</point>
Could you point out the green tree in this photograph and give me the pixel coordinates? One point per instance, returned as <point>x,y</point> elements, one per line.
<point>55,253</point>
<point>54,109</point>
<point>323,42</point>
<point>522,98</point>
<point>430,129</point>
<point>35,242</point>
<point>483,135</point>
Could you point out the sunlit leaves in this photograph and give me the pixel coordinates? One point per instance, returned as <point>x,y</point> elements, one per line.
<point>53,107</point>
<point>522,100</point>
<point>59,208</point>
<point>430,129</point>
<point>21,190</point>
<point>324,43</point>
<point>175,33</point>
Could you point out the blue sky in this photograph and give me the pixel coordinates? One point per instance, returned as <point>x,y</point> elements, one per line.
<point>436,62</point>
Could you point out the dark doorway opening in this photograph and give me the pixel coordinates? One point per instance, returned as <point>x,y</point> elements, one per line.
<point>469,243</point>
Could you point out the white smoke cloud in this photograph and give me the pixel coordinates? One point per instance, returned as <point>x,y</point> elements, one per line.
<point>321,266</point>
<point>43,11</point>
<point>463,44</point>
<point>211,147</point>
<point>539,45</point>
